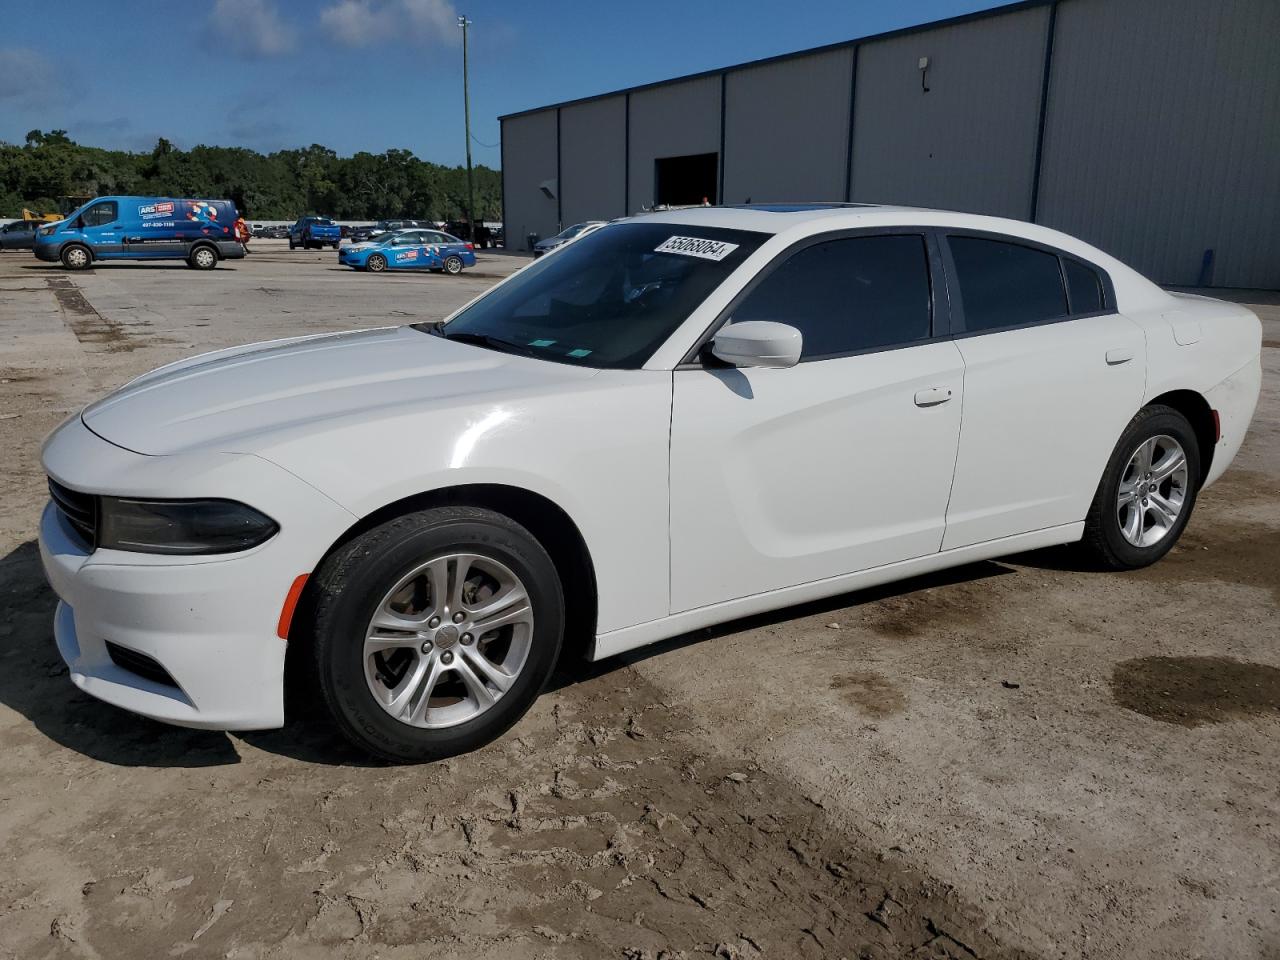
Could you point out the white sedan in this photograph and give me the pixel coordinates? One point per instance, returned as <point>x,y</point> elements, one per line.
<point>678,420</point>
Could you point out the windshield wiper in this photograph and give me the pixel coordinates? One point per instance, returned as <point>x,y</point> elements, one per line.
<point>485,340</point>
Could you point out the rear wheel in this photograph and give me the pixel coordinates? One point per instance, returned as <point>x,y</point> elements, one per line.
<point>203,258</point>
<point>76,257</point>
<point>434,632</point>
<point>453,265</point>
<point>1147,493</point>
<point>376,263</point>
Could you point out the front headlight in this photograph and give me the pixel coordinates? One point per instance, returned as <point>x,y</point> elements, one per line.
<point>185,527</point>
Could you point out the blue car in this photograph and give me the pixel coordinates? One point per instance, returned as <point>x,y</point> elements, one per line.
<point>201,232</point>
<point>409,250</point>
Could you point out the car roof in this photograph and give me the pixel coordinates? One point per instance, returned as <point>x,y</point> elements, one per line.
<point>798,220</point>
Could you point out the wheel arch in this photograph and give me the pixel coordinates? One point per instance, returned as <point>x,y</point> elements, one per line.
<point>1199,414</point>
<point>546,520</point>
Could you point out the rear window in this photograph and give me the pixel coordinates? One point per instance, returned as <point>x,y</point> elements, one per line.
<point>1006,284</point>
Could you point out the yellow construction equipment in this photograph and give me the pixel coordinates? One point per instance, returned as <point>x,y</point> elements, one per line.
<point>44,217</point>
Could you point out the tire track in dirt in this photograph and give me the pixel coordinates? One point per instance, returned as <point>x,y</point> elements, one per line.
<point>91,328</point>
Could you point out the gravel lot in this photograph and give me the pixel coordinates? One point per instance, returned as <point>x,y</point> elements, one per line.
<point>1016,758</point>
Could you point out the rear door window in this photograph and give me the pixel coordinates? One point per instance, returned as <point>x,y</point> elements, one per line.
<point>1004,284</point>
<point>848,294</point>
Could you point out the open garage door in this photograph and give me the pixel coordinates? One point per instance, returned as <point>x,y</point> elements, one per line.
<point>678,181</point>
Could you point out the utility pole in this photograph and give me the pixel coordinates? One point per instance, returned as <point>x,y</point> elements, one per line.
<point>464,23</point>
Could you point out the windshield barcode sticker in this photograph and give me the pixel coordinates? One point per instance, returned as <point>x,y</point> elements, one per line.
<point>697,247</point>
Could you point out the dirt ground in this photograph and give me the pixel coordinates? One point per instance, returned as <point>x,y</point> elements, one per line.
<point>1013,759</point>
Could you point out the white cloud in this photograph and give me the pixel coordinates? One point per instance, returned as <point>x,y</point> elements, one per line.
<point>359,23</point>
<point>252,28</point>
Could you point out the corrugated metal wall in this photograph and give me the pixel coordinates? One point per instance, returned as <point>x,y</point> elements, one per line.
<point>671,121</point>
<point>593,160</point>
<point>776,104</point>
<point>969,143</point>
<point>528,159</point>
<point>1161,131</point>
<point>1163,135</point>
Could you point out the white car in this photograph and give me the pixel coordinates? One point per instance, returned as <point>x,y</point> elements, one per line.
<point>681,419</point>
<point>567,235</point>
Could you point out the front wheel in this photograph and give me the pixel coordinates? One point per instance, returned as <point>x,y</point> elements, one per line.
<point>1147,493</point>
<point>453,265</point>
<point>435,632</point>
<point>376,263</point>
<point>76,257</point>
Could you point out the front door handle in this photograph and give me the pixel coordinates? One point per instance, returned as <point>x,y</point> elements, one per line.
<point>933,396</point>
<point>1119,355</point>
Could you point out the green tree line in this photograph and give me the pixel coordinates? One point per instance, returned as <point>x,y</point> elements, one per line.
<point>50,167</point>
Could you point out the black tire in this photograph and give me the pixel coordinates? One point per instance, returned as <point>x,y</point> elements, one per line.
<point>203,257</point>
<point>1103,541</point>
<point>291,243</point>
<point>353,581</point>
<point>76,256</point>
<point>453,265</point>
<point>376,263</point>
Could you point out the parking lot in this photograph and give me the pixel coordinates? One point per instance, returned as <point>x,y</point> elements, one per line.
<point>1015,758</point>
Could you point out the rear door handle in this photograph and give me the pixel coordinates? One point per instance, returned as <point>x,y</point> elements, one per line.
<point>933,396</point>
<point>1119,355</point>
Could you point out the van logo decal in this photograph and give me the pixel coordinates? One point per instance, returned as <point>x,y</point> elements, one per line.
<point>696,247</point>
<point>202,210</point>
<point>148,210</point>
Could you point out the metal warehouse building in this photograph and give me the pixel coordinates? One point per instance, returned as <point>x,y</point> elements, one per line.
<point>1150,128</point>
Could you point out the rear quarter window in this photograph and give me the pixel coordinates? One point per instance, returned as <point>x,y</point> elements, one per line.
<point>1084,287</point>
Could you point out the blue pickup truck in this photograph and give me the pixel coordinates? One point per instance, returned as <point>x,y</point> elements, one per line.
<point>314,232</point>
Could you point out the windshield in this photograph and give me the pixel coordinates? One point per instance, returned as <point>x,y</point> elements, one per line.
<point>609,300</point>
<point>570,232</point>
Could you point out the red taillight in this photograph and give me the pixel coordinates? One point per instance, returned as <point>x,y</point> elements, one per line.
<point>471,246</point>
<point>1217,426</point>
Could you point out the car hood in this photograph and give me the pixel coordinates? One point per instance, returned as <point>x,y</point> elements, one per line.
<point>234,401</point>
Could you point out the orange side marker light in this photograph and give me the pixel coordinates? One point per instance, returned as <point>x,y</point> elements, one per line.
<point>290,603</point>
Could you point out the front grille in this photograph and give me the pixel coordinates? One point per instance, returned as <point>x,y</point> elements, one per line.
<point>79,510</point>
<point>139,663</point>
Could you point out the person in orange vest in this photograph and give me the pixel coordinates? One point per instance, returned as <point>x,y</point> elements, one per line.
<point>242,231</point>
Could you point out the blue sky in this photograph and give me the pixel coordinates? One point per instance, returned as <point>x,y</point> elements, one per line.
<point>375,74</point>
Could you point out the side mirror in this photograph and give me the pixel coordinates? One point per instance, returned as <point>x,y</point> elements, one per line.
<point>758,343</point>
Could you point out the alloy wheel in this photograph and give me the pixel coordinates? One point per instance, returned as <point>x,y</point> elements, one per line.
<point>1153,491</point>
<point>448,640</point>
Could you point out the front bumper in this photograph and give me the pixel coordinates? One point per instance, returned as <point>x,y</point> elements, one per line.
<point>209,622</point>
<point>46,251</point>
